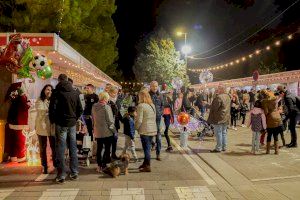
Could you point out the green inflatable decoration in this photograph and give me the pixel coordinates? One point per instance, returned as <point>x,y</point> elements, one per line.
<point>24,72</point>
<point>45,73</point>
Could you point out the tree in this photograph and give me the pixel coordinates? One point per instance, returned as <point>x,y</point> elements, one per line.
<point>85,24</point>
<point>275,67</point>
<point>160,61</point>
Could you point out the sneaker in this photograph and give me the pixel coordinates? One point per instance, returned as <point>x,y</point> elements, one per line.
<point>59,180</point>
<point>243,125</point>
<point>158,158</point>
<point>234,128</point>
<point>215,151</point>
<point>74,177</point>
<point>169,149</point>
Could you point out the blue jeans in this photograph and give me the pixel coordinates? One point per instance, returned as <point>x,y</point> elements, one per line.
<point>158,137</point>
<point>146,143</point>
<point>220,131</point>
<point>255,141</point>
<point>62,133</point>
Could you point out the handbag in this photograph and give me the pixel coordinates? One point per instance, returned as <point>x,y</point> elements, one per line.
<point>87,142</point>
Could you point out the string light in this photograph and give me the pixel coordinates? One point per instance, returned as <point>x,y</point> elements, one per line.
<point>243,58</point>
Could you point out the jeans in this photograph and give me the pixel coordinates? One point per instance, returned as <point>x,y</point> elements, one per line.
<point>255,141</point>
<point>129,144</point>
<point>102,161</point>
<point>167,120</point>
<point>158,137</point>
<point>244,118</point>
<point>221,136</point>
<point>61,142</point>
<point>114,146</point>
<point>43,149</point>
<point>202,110</point>
<point>146,143</point>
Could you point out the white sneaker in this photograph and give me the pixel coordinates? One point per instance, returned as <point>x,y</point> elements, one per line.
<point>243,125</point>
<point>234,128</point>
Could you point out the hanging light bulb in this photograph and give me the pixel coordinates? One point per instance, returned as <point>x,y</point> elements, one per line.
<point>268,48</point>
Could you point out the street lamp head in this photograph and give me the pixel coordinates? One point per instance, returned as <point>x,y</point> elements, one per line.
<point>179,33</point>
<point>186,49</point>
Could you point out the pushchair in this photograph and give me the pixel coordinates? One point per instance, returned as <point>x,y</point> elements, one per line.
<point>83,141</point>
<point>205,129</point>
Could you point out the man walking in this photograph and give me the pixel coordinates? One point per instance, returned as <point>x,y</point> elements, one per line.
<point>158,102</point>
<point>292,113</point>
<point>64,110</point>
<point>219,117</point>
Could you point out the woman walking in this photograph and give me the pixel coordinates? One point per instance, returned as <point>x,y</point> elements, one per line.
<point>43,126</point>
<point>234,111</point>
<point>104,129</point>
<point>145,124</point>
<point>168,118</point>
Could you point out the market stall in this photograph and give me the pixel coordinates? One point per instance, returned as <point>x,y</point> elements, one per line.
<point>289,78</point>
<point>64,59</point>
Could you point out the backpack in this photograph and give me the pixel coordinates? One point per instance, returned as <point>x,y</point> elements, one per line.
<point>256,122</point>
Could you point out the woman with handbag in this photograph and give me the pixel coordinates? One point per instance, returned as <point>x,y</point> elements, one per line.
<point>44,128</point>
<point>145,124</point>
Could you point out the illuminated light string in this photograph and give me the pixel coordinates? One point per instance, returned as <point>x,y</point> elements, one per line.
<point>243,58</point>
<point>78,76</point>
<point>131,83</point>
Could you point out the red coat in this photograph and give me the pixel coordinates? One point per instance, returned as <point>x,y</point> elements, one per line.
<point>18,113</point>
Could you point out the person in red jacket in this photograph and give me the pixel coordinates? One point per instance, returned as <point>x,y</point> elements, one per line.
<point>17,121</point>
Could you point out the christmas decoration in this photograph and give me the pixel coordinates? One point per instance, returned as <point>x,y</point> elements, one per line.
<point>183,118</point>
<point>206,77</point>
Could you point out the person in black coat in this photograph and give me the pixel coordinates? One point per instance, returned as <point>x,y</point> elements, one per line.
<point>64,111</point>
<point>292,113</point>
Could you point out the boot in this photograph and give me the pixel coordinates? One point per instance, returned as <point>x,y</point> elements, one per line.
<point>146,169</point>
<point>142,166</point>
<point>276,147</point>
<point>268,147</point>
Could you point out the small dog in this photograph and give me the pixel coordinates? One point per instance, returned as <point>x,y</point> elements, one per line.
<point>119,166</point>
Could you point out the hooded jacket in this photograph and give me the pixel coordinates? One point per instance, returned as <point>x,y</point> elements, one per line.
<point>257,111</point>
<point>65,106</point>
<point>272,113</point>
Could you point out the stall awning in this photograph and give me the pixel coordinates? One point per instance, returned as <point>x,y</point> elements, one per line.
<point>268,79</point>
<point>65,59</point>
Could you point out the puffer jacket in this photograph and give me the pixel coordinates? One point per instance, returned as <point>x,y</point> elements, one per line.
<point>145,122</point>
<point>272,113</point>
<point>104,123</point>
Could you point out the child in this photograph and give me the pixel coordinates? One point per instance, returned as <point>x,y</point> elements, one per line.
<point>243,111</point>
<point>257,123</point>
<point>129,131</point>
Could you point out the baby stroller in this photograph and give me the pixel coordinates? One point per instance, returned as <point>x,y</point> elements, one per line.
<point>84,142</point>
<point>205,129</point>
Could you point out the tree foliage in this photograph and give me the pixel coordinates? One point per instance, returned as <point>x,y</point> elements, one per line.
<point>85,24</point>
<point>274,67</point>
<point>160,61</point>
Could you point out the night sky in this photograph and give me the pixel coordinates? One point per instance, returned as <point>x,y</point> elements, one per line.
<point>208,23</point>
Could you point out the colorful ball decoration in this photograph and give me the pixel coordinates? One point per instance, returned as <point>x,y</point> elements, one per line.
<point>206,77</point>
<point>177,83</point>
<point>255,75</point>
<point>40,62</point>
<point>45,73</point>
<point>183,118</point>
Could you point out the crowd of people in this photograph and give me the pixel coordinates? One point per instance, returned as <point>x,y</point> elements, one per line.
<point>59,109</point>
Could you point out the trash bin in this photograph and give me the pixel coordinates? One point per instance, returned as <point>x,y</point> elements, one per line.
<point>184,139</point>
<point>2,138</point>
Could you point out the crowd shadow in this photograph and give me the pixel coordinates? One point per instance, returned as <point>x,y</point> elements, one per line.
<point>243,145</point>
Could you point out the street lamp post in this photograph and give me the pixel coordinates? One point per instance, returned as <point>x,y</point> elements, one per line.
<point>185,49</point>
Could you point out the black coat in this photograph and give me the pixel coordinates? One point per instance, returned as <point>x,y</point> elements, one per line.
<point>65,106</point>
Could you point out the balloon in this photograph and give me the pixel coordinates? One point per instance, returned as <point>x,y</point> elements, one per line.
<point>24,72</point>
<point>45,73</point>
<point>206,77</point>
<point>183,118</point>
<point>27,57</point>
<point>177,83</point>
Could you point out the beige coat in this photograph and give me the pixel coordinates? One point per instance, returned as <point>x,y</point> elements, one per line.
<point>104,122</point>
<point>145,122</point>
<point>42,122</point>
